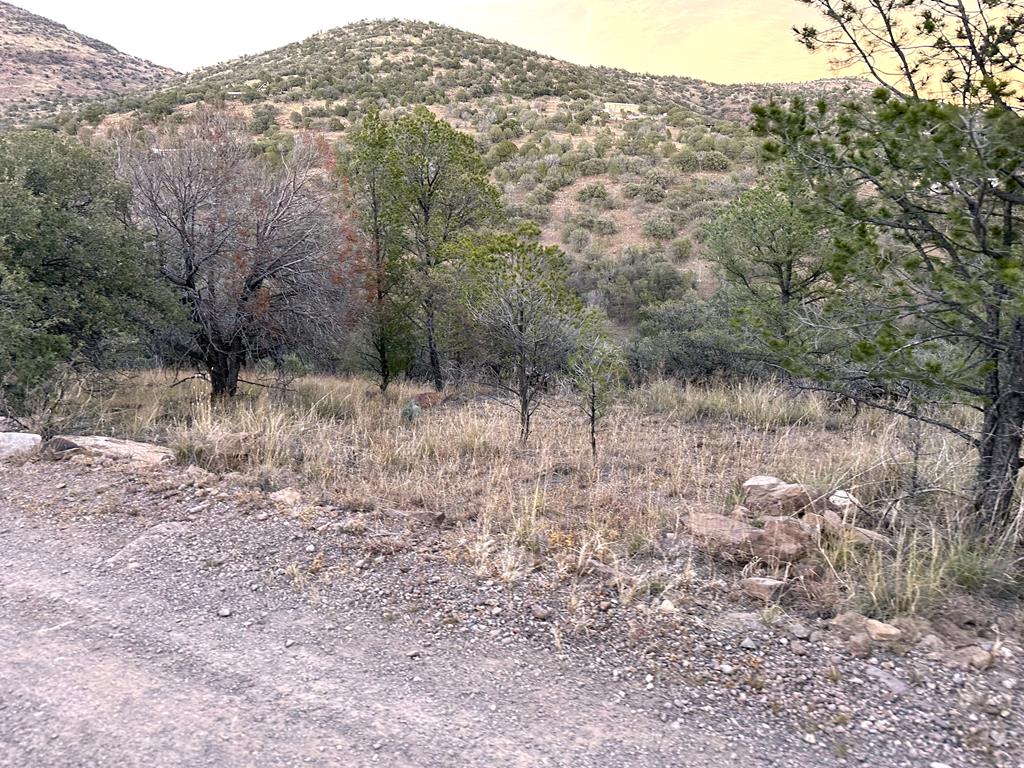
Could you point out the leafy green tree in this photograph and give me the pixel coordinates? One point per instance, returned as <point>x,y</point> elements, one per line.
<point>927,180</point>
<point>446,194</point>
<point>371,166</point>
<point>525,316</point>
<point>73,276</point>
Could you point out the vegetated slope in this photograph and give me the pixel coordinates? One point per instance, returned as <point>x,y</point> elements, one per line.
<point>623,170</point>
<point>44,64</point>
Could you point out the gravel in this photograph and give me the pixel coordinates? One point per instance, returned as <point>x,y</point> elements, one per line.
<point>147,621</point>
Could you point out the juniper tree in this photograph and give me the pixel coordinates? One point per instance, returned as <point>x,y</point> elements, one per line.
<point>73,275</point>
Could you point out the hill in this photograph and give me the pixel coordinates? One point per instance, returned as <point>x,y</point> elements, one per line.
<point>44,64</point>
<point>623,170</point>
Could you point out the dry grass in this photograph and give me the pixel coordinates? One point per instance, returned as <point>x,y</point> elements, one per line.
<point>666,450</point>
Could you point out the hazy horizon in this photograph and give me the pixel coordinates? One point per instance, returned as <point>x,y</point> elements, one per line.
<point>683,38</point>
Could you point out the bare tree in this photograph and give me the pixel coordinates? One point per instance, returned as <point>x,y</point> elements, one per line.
<point>256,248</point>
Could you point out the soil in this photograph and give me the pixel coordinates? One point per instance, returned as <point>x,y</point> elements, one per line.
<point>161,618</point>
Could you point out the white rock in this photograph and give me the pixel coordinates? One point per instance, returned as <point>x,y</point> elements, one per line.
<point>130,451</point>
<point>18,443</point>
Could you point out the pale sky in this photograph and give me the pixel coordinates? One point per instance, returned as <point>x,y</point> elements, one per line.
<point>719,40</point>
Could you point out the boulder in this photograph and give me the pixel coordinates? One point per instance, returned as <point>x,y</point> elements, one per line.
<point>769,495</point>
<point>881,632</point>
<point>123,451</point>
<point>762,588</point>
<point>781,540</point>
<point>720,533</point>
<point>14,444</point>
<point>850,622</point>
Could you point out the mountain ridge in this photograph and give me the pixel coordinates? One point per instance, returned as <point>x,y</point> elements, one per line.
<point>45,65</point>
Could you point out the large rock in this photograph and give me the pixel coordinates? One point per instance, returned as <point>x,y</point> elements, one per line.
<point>13,444</point>
<point>781,540</point>
<point>767,495</point>
<point>719,533</point>
<point>881,632</point>
<point>124,451</point>
<point>762,588</point>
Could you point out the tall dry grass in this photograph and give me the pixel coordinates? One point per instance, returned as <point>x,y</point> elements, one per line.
<point>666,450</point>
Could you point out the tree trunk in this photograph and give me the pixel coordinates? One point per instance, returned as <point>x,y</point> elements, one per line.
<point>436,375</point>
<point>999,447</point>
<point>224,372</point>
<point>523,386</point>
<point>593,419</point>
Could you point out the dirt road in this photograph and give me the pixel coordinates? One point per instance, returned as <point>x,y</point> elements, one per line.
<point>138,640</point>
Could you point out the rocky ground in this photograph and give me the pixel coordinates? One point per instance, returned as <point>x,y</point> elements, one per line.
<point>165,617</point>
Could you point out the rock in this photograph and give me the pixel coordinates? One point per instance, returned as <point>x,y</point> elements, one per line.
<point>739,622</point>
<point>859,645</point>
<point>224,612</point>
<point>115,449</point>
<point>971,657</point>
<point>844,503</point>
<point>881,632</point>
<point>781,540</point>
<point>749,644</point>
<point>889,680</point>
<point>762,588</point>
<point>867,537</point>
<point>720,533</point>
<point>849,622</point>
<point>799,631</point>
<point>540,612</point>
<point>667,606</point>
<point>14,444</point>
<point>798,648</point>
<point>769,495</point>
